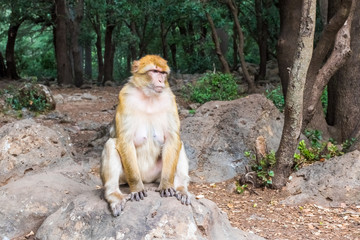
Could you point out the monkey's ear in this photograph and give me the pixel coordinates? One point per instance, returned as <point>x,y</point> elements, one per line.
<point>135,67</point>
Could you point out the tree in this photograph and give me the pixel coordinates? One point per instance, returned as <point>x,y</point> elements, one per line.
<point>322,67</point>
<point>235,13</point>
<point>344,87</point>
<point>295,92</point>
<point>290,15</point>
<point>64,72</point>
<point>75,20</point>
<point>222,59</point>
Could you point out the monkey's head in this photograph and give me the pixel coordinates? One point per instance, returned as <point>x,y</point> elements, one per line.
<point>150,73</point>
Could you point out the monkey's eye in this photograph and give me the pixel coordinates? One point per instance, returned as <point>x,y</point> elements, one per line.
<point>157,71</point>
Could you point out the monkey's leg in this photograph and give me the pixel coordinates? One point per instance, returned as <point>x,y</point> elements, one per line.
<point>111,171</point>
<point>182,178</point>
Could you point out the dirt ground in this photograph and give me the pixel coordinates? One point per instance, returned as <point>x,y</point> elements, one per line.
<point>261,213</point>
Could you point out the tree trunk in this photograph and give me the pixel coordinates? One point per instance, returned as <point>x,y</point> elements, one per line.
<point>346,113</point>
<point>108,74</point>
<point>319,73</point>
<point>290,14</point>
<point>235,49</point>
<point>96,25</point>
<point>233,9</point>
<point>261,27</point>
<point>163,34</point>
<point>2,67</point>
<point>295,93</point>
<point>88,60</point>
<point>64,73</point>
<point>173,56</point>
<point>224,63</point>
<point>133,50</point>
<point>10,51</point>
<point>75,48</point>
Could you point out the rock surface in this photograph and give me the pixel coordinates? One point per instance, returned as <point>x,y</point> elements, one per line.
<point>217,136</point>
<point>88,217</point>
<point>27,146</point>
<point>332,183</point>
<point>31,199</point>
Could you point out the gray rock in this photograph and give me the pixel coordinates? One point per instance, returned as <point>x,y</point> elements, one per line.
<point>219,133</point>
<point>31,199</point>
<point>87,217</point>
<point>330,184</point>
<point>27,146</point>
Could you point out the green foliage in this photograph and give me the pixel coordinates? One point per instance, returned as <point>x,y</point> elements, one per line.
<point>212,86</point>
<point>277,97</point>
<point>347,144</point>
<point>28,97</point>
<point>263,167</point>
<point>318,150</point>
<point>241,189</point>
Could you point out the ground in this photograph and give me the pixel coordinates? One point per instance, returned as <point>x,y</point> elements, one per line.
<point>261,213</point>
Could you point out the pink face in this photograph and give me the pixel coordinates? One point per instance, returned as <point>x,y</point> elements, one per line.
<point>158,79</point>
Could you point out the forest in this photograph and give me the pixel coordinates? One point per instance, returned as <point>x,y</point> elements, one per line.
<point>314,43</point>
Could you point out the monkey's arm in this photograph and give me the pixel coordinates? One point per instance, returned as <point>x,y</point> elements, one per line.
<point>127,152</point>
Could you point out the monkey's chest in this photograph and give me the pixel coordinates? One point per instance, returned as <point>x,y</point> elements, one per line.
<point>149,135</point>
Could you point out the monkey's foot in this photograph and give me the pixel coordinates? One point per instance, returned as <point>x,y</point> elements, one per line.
<point>137,196</point>
<point>118,206</point>
<point>168,192</point>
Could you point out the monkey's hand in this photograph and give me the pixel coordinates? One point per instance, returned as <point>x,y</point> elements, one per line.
<point>183,197</point>
<point>137,196</point>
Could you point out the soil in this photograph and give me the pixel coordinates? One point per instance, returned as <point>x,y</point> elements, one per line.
<point>259,211</point>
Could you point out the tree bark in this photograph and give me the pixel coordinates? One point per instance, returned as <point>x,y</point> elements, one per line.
<point>234,11</point>
<point>108,63</point>
<point>224,63</point>
<point>75,48</point>
<point>295,93</point>
<point>319,73</point>
<point>163,34</point>
<point>88,60</point>
<point>11,71</point>
<point>346,113</point>
<point>261,26</point>
<point>98,44</point>
<point>2,67</point>
<point>290,14</point>
<point>64,73</point>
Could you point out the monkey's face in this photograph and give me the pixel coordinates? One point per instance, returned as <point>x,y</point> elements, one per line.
<point>158,79</point>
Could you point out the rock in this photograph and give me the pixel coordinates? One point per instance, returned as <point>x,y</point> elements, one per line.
<point>27,146</point>
<point>332,183</point>
<point>88,96</point>
<point>88,217</point>
<point>59,98</point>
<point>31,199</point>
<point>219,133</point>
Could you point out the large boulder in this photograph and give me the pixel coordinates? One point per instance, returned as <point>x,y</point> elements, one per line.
<point>27,146</point>
<point>220,132</point>
<point>29,200</point>
<point>332,183</point>
<point>87,217</point>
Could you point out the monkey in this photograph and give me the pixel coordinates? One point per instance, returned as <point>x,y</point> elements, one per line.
<point>145,145</point>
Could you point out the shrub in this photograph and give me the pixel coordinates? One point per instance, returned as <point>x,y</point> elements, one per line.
<point>214,86</point>
<point>28,96</point>
<point>277,97</point>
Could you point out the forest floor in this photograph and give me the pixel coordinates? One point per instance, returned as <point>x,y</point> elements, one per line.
<point>261,213</point>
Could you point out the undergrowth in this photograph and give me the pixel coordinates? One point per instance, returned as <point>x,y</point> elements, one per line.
<point>212,86</point>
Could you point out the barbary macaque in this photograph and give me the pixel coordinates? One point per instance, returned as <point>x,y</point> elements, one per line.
<point>145,145</point>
